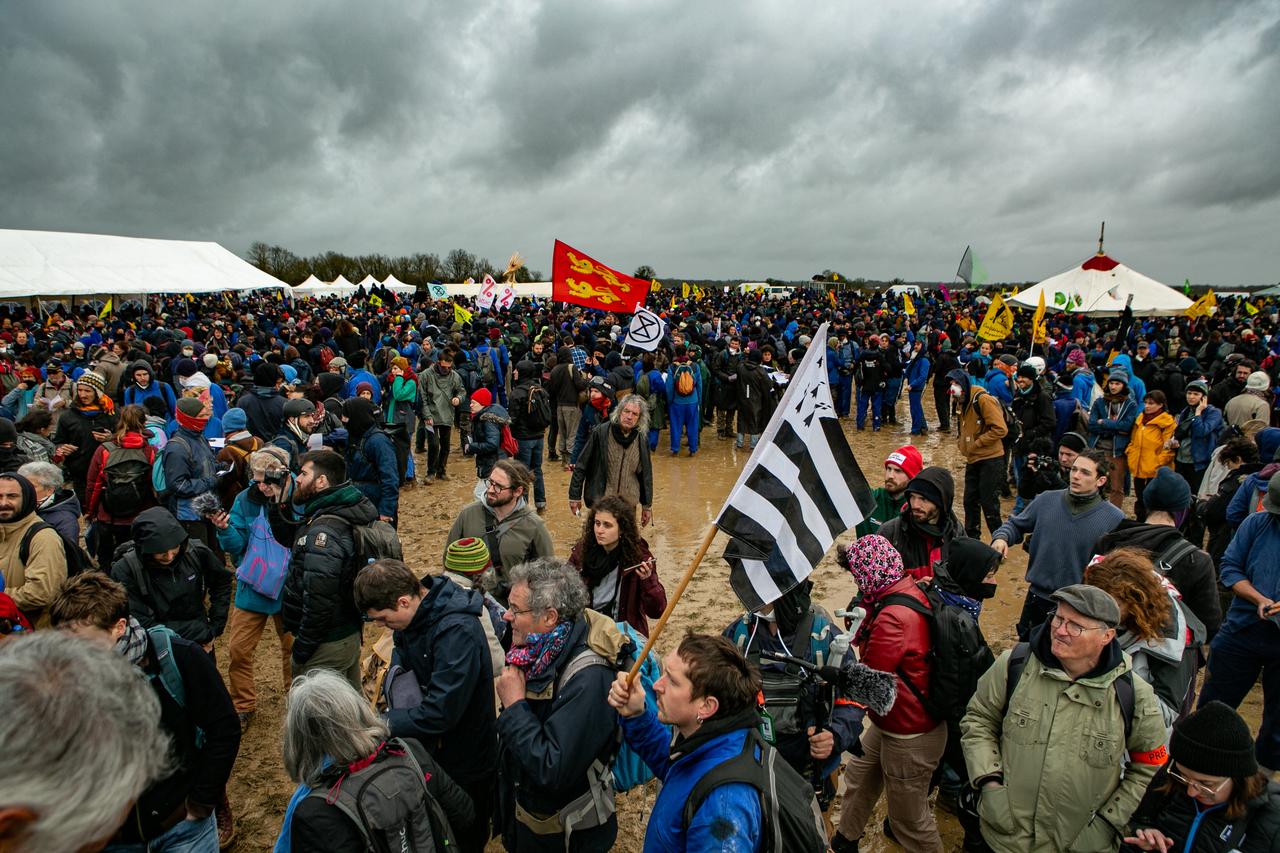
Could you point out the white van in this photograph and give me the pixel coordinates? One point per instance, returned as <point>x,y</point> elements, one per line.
<point>771,291</point>
<point>910,289</point>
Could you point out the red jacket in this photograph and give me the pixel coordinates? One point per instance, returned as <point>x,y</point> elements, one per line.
<point>896,640</point>
<point>96,483</point>
<point>638,597</point>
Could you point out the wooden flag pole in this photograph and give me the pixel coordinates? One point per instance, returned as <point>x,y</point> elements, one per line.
<point>671,603</point>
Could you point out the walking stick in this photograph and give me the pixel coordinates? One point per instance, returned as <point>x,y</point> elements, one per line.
<point>671,603</point>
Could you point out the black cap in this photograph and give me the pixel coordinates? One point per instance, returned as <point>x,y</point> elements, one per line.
<point>1215,741</point>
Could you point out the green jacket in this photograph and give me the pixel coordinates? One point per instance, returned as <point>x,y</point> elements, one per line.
<point>887,507</point>
<point>437,392</point>
<point>1060,749</point>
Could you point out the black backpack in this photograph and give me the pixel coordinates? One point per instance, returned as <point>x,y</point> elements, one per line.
<point>958,653</point>
<point>792,820</point>
<point>78,560</point>
<point>389,803</point>
<point>538,414</point>
<point>128,475</point>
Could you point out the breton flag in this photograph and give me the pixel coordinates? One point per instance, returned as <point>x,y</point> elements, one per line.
<point>800,489</point>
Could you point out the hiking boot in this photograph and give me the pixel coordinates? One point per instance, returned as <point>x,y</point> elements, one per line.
<point>246,717</point>
<point>226,826</point>
<point>442,476</point>
<point>840,844</point>
<point>554,457</point>
<point>429,479</point>
<point>541,508</point>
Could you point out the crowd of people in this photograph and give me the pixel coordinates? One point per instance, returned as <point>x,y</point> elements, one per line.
<point>177,476</point>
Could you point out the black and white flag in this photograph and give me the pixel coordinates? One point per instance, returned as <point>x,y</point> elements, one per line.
<point>800,489</point>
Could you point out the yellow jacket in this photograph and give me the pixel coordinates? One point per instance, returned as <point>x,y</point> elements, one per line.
<point>1146,451</point>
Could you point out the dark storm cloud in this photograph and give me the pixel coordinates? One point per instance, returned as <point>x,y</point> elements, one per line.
<point>703,138</point>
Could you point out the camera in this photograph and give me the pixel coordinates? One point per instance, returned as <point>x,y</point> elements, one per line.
<point>275,477</point>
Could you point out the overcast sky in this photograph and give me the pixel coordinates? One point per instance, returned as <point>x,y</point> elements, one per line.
<point>709,139</point>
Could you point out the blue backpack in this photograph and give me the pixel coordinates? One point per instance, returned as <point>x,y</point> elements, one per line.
<point>169,677</point>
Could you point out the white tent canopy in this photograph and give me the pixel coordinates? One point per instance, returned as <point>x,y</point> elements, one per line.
<point>369,283</point>
<point>395,285</point>
<point>56,263</point>
<point>1102,286</point>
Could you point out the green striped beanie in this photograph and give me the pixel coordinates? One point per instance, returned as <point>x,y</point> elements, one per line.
<point>466,556</point>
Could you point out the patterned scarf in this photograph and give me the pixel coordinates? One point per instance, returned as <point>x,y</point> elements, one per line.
<point>539,650</point>
<point>133,645</point>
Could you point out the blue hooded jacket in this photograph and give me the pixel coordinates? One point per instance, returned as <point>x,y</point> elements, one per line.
<point>729,818</point>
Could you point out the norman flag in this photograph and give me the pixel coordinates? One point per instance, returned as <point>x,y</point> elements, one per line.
<point>800,489</point>
<point>582,280</point>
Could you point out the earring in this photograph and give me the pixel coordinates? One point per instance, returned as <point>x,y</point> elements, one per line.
<point>700,720</point>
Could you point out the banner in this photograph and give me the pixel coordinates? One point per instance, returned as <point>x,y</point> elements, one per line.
<point>998,323</point>
<point>438,291</point>
<point>645,331</point>
<point>1204,306</point>
<point>506,297</point>
<point>579,279</point>
<point>488,292</point>
<point>1039,328</point>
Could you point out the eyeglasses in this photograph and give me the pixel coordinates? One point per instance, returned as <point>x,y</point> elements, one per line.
<point>516,611</point>
<point>1075,629</point>
<point>495,485</point>
<point>1198,787</point>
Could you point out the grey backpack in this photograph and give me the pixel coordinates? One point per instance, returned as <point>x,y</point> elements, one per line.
<point>389,802</point>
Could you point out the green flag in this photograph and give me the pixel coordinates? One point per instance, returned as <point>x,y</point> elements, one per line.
<point>1186,286</point>
<point>971,270</point>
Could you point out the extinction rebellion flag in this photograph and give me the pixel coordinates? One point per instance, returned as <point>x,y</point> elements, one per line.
<point>800,489</point>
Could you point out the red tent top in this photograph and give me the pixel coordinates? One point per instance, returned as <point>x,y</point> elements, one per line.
<point>1101,263</point>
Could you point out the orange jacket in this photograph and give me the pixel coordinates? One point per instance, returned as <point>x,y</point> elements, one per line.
<point>1146,451</point>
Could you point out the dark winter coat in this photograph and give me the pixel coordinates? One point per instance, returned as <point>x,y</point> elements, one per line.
<point>592,477</point>
<point>725,368</point>
<point>1178,816</point>
<point>755,398</point>
<point>446,649</point>
<point>173,595</point>
<point>638,599</point>
<point>1034,411</point>
<point>374,469</point>
<point>64,515</point>
<point>317,602</point>
<point>76,426</point>
<point>190,469</point>
<point>486,438</point>
<point>264,408</point>
<point>200,772</point>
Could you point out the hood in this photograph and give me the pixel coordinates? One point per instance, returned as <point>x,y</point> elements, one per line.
<point>1171,643</point>
<point>961,378</point>
<point>528,372</point>
<point>155,530</point>
<point>360,415</point>
<point>1268,441</point>
<point>1150,537</point>
<point>495,413</point>
<point>66,502</point>
<point>344,501</point>
<point>141,364</point>
<point>941,480</point>
<point>28,497</point>
<point>330,384</point>
<point>264,393</point>
<point>444,598</point>
<point>968,563</point>
<point>1123,360</point>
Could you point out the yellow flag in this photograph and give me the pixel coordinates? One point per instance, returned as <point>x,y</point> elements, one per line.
<point>375,300</point>
<point>1204,306</point>
<point>673,302</point>
<point>657,285</point>
<point>1039,328</point>
<point>831,294</point>
<point>684,289</point>
<point>998,323</point>
<point>106,308</point>
<point>460,314</point>
<point>1250,308</point>
<point>908,307</point>
<point>835,276</point>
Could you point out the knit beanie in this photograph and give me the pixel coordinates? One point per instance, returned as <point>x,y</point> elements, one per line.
<point>1075,358</point>
<point>1215,741</point>
<point>265,374</point>
<point>466,556</point>
<point>96,381</point>
<point>1074,441</point>
<point>874,563</point>
<point>362,387</point>
<point>907,458</point>
<point>1167,492</point>
<point>1027,372</point>
<point>482,396</point>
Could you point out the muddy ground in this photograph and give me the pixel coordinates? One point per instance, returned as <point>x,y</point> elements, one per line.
<point>688,494</point>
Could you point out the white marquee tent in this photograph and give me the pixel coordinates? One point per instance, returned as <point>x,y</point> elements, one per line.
<point>395,285</point>
<point>58,264</point>
<point>1101,286</point>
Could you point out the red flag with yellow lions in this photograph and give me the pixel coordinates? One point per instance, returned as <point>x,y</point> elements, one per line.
<point>582,280</point>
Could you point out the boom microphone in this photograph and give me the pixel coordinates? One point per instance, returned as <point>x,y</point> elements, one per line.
<point>852,680</point>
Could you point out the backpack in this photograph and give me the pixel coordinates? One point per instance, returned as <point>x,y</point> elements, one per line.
<point>538,414</point>
<point>628,768</point>
<point>685,384</point>
<point>158,484</point>
<point>326,355</point>
<point>509,445</point>
<point>1122,685</point>
<point>128,475</point>
<point>376,540</point>
<point>958,653</point>
<point>78,560</point>
<point>782,686</point>
<point>792,820</point>
<point>170,677</point>
<point>373,797</point>
<point>485,367</point>
<point>1013,426</point>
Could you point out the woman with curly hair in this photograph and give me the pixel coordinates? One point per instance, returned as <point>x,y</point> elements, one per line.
<point>1161,635</point>
<point>617,565</point>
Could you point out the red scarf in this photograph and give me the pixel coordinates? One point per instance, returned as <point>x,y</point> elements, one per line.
<point>195,424</point>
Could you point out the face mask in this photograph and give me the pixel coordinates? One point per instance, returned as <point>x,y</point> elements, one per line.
<point>956,391</point>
